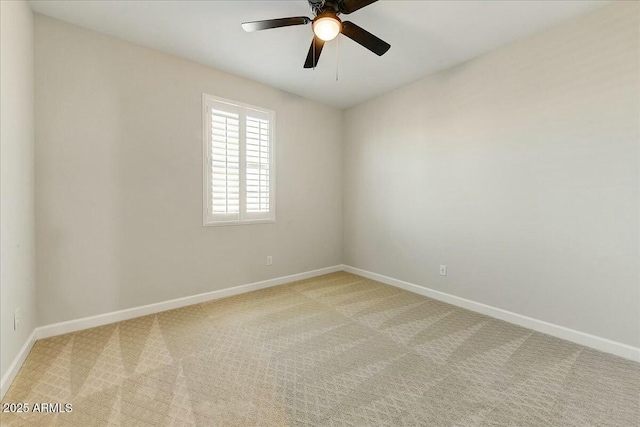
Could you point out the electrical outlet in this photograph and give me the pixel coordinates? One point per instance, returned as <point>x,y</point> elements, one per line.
<point>16,319</point>
<point>269,260</point>
<point>443,270</point>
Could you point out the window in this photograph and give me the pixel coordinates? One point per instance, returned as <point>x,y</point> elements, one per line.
<point>238,163</point>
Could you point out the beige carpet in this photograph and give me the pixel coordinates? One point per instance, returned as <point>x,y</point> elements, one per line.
<point>333,350</point>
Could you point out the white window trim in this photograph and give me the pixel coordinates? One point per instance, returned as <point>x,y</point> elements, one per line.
<point>245,218</point>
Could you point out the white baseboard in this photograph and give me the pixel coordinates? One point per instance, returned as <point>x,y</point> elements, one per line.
<point>15,366</point>
<point>598,343</point>
<point>130,313</point>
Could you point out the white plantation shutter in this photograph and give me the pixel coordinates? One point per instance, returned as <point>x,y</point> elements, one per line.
<point>258,154</point>
<point>238,163</point>
<point>225,163</point>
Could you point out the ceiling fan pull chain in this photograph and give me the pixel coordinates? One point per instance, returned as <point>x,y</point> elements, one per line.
<point>337,55</point>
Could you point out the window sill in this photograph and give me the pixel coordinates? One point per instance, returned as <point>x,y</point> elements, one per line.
<point>236,223</point>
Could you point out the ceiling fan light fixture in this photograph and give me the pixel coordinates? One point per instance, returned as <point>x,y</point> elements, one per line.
<point>327,27</point>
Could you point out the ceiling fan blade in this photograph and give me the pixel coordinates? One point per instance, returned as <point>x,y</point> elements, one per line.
<point>350,6</point>
<point>314,53</point>
<point>365,38</point>
<point>274,23</point>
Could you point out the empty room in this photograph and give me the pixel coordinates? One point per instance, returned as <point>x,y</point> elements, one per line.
<point>320,213</point>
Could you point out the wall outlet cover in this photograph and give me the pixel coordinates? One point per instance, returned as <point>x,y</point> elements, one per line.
<point>16,319</point>
<point>443,270</point>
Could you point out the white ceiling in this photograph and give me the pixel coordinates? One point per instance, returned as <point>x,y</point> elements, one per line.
<point>425,37</point>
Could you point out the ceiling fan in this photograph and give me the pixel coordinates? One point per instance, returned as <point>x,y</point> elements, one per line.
<point>326,26</point>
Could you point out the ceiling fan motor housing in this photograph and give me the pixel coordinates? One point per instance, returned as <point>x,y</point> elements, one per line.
<point>320,6</point>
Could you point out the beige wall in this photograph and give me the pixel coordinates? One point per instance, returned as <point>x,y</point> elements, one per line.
<point>17,265</point>
<point>119,179</point>
<point>518,170</point>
